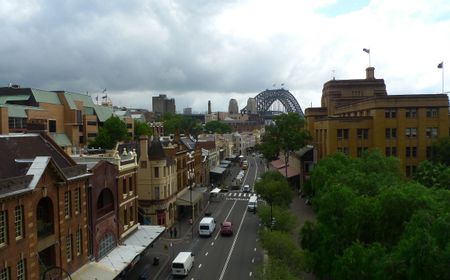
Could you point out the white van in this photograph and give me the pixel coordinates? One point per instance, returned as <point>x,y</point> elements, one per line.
<point>207,226</point>
<point>183,263</point>
<point>252,203</point>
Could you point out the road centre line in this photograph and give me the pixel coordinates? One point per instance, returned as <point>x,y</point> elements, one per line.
<point>206,253</point>
<point>232,246</point>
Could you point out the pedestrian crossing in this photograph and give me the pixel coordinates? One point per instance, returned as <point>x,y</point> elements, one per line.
<point>237,196</point>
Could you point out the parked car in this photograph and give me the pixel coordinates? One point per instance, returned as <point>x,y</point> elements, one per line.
<point>226,228</point>
<point>246,188</point>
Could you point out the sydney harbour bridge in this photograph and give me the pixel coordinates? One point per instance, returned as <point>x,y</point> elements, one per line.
<point>266,99</point>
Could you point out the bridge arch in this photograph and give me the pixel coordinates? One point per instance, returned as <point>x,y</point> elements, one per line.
<point>266,98</point>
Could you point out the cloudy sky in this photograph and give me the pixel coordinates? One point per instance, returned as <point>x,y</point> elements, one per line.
<point>200,50</point>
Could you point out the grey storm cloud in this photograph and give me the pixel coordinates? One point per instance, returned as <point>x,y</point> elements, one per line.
<point>126,45</point>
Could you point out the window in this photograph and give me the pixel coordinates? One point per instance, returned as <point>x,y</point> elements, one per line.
<point>125,217</point>
<point>390,113</point>
<point>3,228</point>
<point>411,132</point>
<point>391,133</point>
<point>410,170</point>
<point>428,151</point>
<point>81,139</point>
<point>124,185</point>
<point>51,125</point>
<point>156,172</point>
<point>77,201</point>
<point>144,164</point>
<point>69,247</point>
<point>411,152</point>
<point>431,132</point>
<point>391,151</point>
<point>67,206</point>
<point>343,150</point>
<point>130,183</point>
<point>79,242</point>
<point>18,221</point>
<point>80,128</point>
<point>91,123</point>
<point>342,133</point>
<point>17,123</point>
<point>411,113</point>
<point>21,270</point>
<point>106,244</point>
<point>360,151</point>
<point>92,135</point>
<point>131,214</point>
<point>5,274</point>
<point>156,192</point>
<point>432,112</point>
<point>362,133</point>
<point>79,116</point>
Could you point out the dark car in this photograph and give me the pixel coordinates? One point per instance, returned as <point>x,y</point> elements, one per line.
<point>226,228</point>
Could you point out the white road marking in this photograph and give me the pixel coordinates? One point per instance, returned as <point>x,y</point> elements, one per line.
<point>212,243</point>
<point>253,260</point>
<point>254,249</point>
<point>232,247</point>
<point>200,265</point>
<point>206,253</point>
<point>250,274</point>
<point>226,218</point>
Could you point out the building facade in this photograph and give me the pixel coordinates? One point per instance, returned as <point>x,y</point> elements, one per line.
<point>357,115</point>
<point>43,218</point>
<point>161,105</point>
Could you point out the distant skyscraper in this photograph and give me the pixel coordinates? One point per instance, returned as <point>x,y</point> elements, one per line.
<point>187,111</point>
<point>251,106</point>
<point>209,106</point>
<point>233,107</point>
<point>161,105</point>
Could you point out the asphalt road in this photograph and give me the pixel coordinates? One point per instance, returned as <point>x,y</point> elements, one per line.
<point>227,257</point>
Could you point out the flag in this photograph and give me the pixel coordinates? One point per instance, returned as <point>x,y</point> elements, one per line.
<point>104,96</point>
<point>366,50</point>
<point>441,65</point>
<point>104,90</point>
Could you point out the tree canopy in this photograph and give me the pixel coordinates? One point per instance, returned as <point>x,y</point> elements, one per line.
<point>373,223</point>
<point>217,127</point>
<point>112,131</point>
<point>141,128</point>
<point>181,124</point>
<point>287,134</point>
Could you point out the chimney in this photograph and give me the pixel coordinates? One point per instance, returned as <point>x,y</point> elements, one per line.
<point>370,73</point>
<point>143,144</point>
<point>209,107</point>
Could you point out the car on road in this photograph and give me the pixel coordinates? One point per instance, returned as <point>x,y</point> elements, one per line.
<point>226,228</point>
<point>246,188</point>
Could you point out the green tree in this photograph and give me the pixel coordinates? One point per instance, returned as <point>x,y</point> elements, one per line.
<point>440,151</point>
<point>113,131</point>
<point>274,189</point>
<point>284,219</point>
<point>180,124</point>
<point>433,175</point>
<point>217,127</point>
<point>141,128</point>
<point>288,134</point>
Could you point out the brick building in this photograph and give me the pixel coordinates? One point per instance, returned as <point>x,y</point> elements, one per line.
<point>43,217</point>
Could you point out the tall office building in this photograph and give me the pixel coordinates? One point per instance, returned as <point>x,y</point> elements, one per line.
<point>358,114</point>
<point>161,105</point>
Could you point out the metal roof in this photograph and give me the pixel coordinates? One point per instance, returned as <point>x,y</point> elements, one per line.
<point>19,111</point>
<point>103,113</point>
<point>71,97</point>
<point>46,96</point>
<point>61,139</point>
<point>5,99</point>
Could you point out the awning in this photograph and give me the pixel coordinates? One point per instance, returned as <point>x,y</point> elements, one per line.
<point>120,257</point>
<point>185,198</point>
<point>217,170</point>
<point>278,163</point>
<point>291,172</point>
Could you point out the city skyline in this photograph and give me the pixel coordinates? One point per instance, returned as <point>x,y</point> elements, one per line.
<point>198,51</point>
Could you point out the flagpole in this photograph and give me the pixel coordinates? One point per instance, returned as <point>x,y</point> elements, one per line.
<point>442,78</point>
